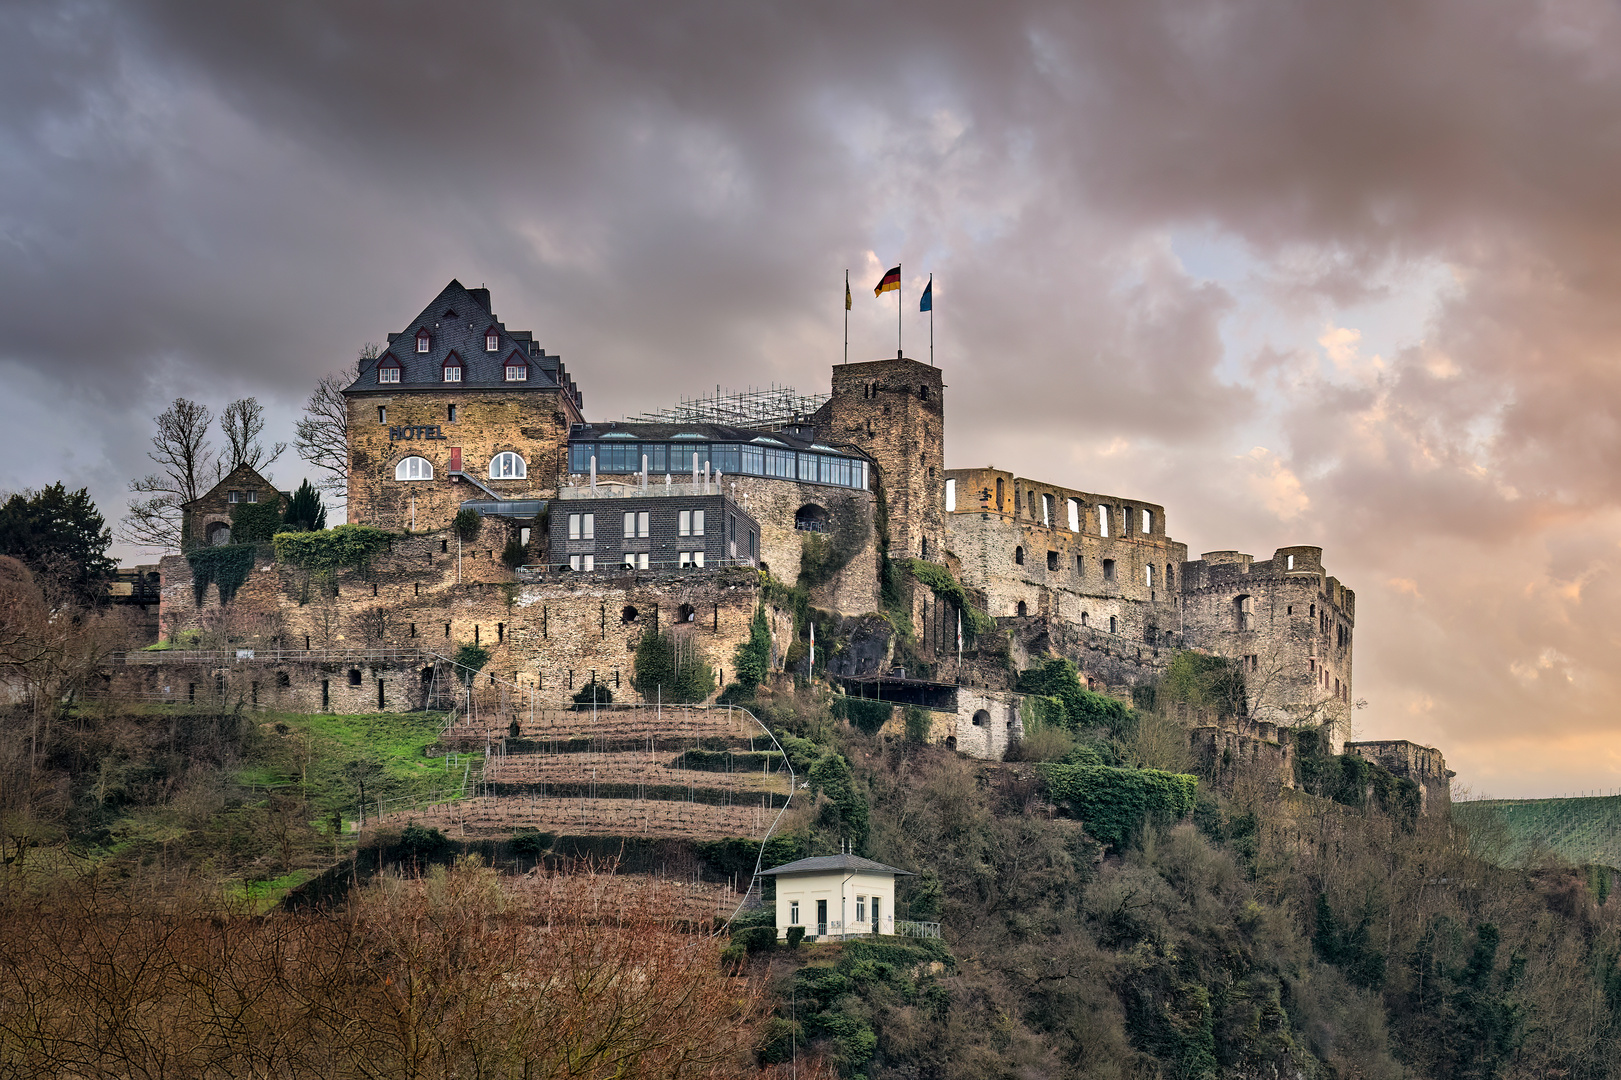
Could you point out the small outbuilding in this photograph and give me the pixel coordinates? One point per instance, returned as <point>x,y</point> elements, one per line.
<point>836,895</point>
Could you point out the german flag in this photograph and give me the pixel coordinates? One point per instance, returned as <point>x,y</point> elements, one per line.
<point>891,282</point>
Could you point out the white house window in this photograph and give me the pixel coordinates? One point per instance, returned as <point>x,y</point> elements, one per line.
<point>422,341</point>
<point>508,466</point>
<point>453,373</point>
<point>582,526</point>
<point>636,525</point>
<point>492,340</point>
<point>414,468</point>
<point>635,560</point>
<point>388,373</point>
<point>690,558</point>
<point>517,371</point>
<point>793,913</point>
<point>582,562</point>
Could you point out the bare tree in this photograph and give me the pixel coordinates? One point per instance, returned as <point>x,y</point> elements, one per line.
<point>243,421</point>
<point>322,437</point>
<point>185,459</point>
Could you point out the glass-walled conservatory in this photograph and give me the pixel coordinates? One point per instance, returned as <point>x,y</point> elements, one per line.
<point>760,456</point>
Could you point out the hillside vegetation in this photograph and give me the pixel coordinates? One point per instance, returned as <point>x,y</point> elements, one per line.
<point>1540,832</point>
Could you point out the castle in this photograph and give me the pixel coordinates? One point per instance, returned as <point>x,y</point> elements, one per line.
<point>592,531</point>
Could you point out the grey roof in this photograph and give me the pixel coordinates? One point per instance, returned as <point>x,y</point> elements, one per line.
<point>456,321</point>
<point>824,863</point>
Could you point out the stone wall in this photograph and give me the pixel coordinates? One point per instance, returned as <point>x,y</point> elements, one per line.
<point>1287,622</point>
<point>534,423</point>
<point>210,512</point>
<point>1424,765</point>
<point>1237,746</point>
<point>894,411</point>
<point>289,685</point>
<point>853,589</point>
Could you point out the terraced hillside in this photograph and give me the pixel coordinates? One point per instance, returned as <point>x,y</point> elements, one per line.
<point>1531,832</point>
<point>692,772</point>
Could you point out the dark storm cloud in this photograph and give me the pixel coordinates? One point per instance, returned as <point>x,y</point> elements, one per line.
<point>222,199</point>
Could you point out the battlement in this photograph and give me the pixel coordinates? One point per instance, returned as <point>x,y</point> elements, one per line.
<point>1424,765</point>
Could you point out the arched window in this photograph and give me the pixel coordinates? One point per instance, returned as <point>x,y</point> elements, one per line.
<point>1018,556</point>
<point>982,718</point>
<point>1084,618</point>
<point>998,494</point>
<point>810,518</point>
<point>1022,610</point>
<point>453,368</point>
<point>414,468</point>
<point>508,466</point>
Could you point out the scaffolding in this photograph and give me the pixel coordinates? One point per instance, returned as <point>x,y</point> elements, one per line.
<point>773,407</point>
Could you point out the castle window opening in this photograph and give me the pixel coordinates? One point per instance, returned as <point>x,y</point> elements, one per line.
<point>1103,521</point>
<point>500,632</point>
<point>475,633</point>
<point>1030,504</point>
<point>1170,576</point>
<point>423,340</point>
<point>982,718</point>
<point>931,472</point>
<point>382,414</point>
<point>999,495</point>
<point>1243,613</point>
<point>951,494</point>
<point>444,546</point>
<point>1047,510</point>
<point>450,413</point>
<point>628,616</point>
<point>413,629</point>
<point>1108,569</point>
<point>219,534</point>
<point>414,468</point>
<point>1314,611</point>
<point>1148,575</point>
<point>1148,522</point>
<point>1074,515</point>
<point>1084,618</point>
<point>381,703</point>
<point>523,537</point>
<point>923,392</point>
<point>1290,563</point>
<point>354,676</point>
<point>1114,625</point>
<point>1021,610</point>
<point>447,631</point>
<point>1018,556</point>
<point>1052,560</point>
<point>508,466</point>
<point>810,518</point>
<point>1289,610</point>
<point>283,680</point>
<point>924,547</point>
<point>685,613</point>
<point>1080,566</point>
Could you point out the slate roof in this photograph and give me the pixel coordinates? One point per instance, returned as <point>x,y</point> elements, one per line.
<point>801,437</point>
<point>821,864</point>
<point>456,321</point>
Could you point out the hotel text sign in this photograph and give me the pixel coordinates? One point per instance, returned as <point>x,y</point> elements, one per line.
<point>419,431</point>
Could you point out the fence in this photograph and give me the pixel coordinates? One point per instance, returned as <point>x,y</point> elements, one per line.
<point>383,655</point>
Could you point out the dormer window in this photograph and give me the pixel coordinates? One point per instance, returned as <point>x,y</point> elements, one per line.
<point>453,368</point>
<point>492,339</point>
<point>424,339</point>
<point>388,369</point>
<point>517,368</point>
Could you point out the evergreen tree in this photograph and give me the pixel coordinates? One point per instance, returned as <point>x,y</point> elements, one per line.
<point>61,534</point>
<point>752,660</point>
<point>305,511</point>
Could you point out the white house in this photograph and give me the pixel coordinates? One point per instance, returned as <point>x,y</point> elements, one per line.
<point>836,895</point>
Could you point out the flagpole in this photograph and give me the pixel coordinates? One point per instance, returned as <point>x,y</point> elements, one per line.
<point>900,306</point>
<point>847,316</point>
<point>931,320</point>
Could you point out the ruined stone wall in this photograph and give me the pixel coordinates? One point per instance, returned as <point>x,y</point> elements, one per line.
<point>894,410</point>
<point>285,685</point>
<point>1424,765</point>
<point>1239,746</point>
<point>532,423</point>
<point>1122,584</point>
<point>1287,622</point>
<point>550,632</point>
<point>853,590</point>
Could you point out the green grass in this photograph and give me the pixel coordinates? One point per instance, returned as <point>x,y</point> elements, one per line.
<point>1535,832</point>
<point>263,895</point>
<point>330,756</point>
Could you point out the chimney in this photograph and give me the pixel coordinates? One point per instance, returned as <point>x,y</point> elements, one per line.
<point>482,295</point>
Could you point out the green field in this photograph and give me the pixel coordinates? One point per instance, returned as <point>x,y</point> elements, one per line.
<point>1539,832</point>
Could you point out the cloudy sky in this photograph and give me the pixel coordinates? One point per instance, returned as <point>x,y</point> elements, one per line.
<point>1344,275</point>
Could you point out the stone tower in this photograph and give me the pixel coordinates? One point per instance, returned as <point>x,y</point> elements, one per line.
<point>895,411</point>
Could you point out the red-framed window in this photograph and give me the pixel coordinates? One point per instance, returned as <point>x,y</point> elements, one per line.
<point>452,368</point>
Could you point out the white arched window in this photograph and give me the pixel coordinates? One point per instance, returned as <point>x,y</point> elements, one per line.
<point>508,466</point>
<point>414,468</point>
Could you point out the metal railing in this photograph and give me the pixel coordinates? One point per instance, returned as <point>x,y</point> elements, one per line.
<point>664,565</point>
<point>654,489</point>
<point>387,654</point>
<point>909,928</point>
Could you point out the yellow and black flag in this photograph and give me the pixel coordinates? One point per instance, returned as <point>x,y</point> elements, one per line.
<point>891,282</point>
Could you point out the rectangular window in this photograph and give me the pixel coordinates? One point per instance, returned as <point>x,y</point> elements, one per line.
<point>517,372</point>
<point>793,913</point>
<point>1074,514</point>
<point>697,523</point>
<point>861,909</point>
<point>582,526</point>
<point>683,559</point>
<point>697,558</point>
<point>635,560</point>
<point>492,341</point>
<point>951,495</point>
<point>1148,522</point>
<point>1148,575</point>
<point>641,523</point>
<point>683,523</point>
<point>382,414</point>
<point>1103,520</point>
<point>523,537</point>
<point>1052,560</point>
<point>574,526</point>
<point>453,373</point>
<point>1108,569</point>
<point>630,525</point>
<point>253,496</point>
<point>388,375</point>
<point>752,540</point>
<point>235,497</point>
<point>582,562</point>
<point>1047,510</point>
